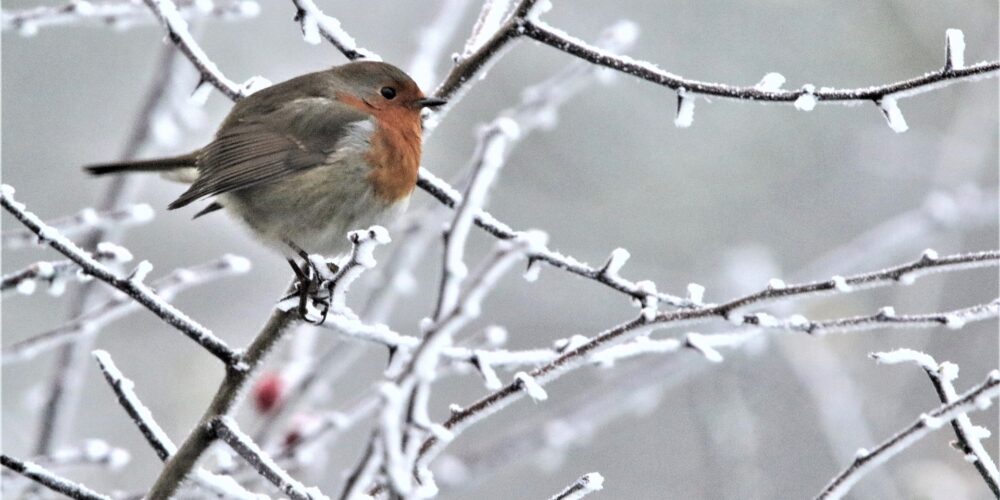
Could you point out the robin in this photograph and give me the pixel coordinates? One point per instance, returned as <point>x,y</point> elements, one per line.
<point>304,161</point>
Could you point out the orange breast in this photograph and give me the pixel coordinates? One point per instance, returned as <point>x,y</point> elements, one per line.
<point>395,153</point>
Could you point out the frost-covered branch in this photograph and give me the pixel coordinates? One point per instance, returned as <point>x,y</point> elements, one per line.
<point>82,222</point>
<point>140,415</point>
<point>587,484</point>
<point>165,107</point>
<point>432,41</point>
<point>132,285</point>
<point>91,452</point>
<point>95,319</point>
<point>462,418</point>
<point>315,24</point>
<point>804,98</point>
<point>177,31</point>
<point>977,398</point>
<point>57,273</point>
<point>226,430</point>
<point>487,161</point>
<point>538,109</point>
<point>969,436</point>
<point>51,481</point>
<point>120,14</point>
<point>164,448</point>
<point>223,404</point>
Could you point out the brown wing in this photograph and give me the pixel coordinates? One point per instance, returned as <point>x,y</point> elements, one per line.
<point>260,149</point>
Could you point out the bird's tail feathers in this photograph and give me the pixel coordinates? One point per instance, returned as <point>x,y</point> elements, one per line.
<point>154,165</point>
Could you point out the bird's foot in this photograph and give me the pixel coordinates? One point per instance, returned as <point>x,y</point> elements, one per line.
<point>313,287</point>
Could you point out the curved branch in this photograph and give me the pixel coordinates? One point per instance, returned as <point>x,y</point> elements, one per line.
<point>132,286</point>
<point>558,39</point>
<point>978,397</point>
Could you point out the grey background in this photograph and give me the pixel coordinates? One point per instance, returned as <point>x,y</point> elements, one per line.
<point>764,181</point>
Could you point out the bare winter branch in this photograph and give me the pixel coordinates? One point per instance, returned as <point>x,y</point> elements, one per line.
<point>316,24</point>
<point>177,30</point>
<point>82,222</point>
<point>56,274</point>
<point>969,436</point>
<point>51,481</point>
<point>120,14</point>
<point>979,397</point>
<point>133,285</point>
<point>587,484</point>
<point>226,430</point>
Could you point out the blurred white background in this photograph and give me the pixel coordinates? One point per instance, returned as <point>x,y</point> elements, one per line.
<point>748,193</point>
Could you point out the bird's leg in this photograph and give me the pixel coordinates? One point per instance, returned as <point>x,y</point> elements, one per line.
<point>309,283</point>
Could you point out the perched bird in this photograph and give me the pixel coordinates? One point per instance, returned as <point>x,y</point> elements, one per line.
<point>305,161</point>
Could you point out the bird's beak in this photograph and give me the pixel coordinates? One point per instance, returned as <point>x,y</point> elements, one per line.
<point>430,102</point>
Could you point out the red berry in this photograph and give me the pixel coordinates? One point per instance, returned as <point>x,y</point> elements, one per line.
<point>268,390</point>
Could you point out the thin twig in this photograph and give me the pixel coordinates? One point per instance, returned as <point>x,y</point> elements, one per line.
<point>553,37</point>
<point>164,448</point>
<point>132,286</point>
<point>51,481</point>
<point>979,397</point>
<point>315,23</point>
<point>57,273</point>
<point>95,319</point>
<point>119,14</point>
<point>177,30</point>
<point>587,484</point>
<point>86,220</point>
<point>225,429</point>
<point>969,436</point>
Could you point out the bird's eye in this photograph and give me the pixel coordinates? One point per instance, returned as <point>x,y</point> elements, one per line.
<point>388,92</point>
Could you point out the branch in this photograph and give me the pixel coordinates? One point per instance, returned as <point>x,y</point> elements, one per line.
<point>131,285</point>
<point>223,403</point>
<point>316,24</point>
<point>165,448</point>
<point>140,415</point>
<point>805,98</point>
<point>119,14</point>
<point>432,41</point>
<point>587,484</point>
<point>57,273</point>
<point>82,222</point>
<point>969,436</point>
<point>177,30</point>
<point>95,319</point>
<point>167,94</point>
<point>462,418</point>
<point>979,397</point>
<point>226,429</point>
<point>51,481</point>
<point>91,452</point>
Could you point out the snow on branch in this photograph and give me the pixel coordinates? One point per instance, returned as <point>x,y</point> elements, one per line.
<point>132,286</point>
<point>95,319</point>
<point>978,398</point>
<point>82,222</point>
<point>488,159</point>
<point>462,418</point>
<point>587,484</point>
<point>57,273</point>
<point>315,24</point>
<point>542,32</point>
<point>225,429</point>
<point>140,415</point>
<point>447,195</point>
<point>432,41</point>
<point>970,436</point>
<point>177,31</point>
<point>51,481</point>
<point>119,14</point>
<point>164,448</point>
